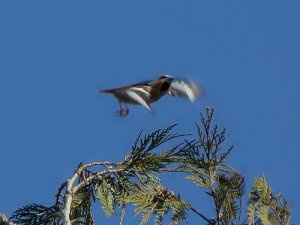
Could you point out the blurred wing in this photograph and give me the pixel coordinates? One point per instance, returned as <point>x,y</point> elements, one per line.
<point>123,87</point>
<point>141,83</point>
<point>133,93</point>
<point>186,89</point>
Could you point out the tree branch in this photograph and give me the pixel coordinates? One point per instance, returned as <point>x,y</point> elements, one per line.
<point>5,221</point>
<point>202,216</point>
<point>90,179</point>
<point>70,191</point>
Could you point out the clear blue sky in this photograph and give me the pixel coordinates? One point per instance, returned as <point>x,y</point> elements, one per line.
<point>54,54</point>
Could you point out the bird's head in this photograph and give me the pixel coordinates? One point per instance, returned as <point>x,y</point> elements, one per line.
<point>167,78</point>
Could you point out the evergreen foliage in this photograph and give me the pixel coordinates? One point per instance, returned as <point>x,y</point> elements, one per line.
<point>265,207</point>
<point>135,181</point>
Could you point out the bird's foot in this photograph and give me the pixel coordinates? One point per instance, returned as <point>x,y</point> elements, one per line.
<point>119,113</point>
<point>122,113</point>
<point>126,112</point>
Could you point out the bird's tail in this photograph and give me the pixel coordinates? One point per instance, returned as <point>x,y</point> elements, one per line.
<point>107,91</point>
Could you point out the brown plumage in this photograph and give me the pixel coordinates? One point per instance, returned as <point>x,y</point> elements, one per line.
<point>146,93</point>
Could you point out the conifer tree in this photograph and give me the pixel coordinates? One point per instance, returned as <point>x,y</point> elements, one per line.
<point>135,181</point>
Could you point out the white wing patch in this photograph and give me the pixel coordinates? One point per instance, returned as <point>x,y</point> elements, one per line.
<point>141,90</point>
<point>139,99</point>
<point>185,89</point>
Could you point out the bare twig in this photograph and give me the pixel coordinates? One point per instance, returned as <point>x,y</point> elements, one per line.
<point>202,216</point>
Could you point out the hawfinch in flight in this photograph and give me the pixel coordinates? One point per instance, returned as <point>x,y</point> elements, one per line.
<point>146,93</point>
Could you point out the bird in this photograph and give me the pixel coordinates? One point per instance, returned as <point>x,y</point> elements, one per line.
<point>148,92</point>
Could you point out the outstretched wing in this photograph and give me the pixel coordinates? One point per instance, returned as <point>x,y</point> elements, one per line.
<point>111,90</point>
<point>186,89</point>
